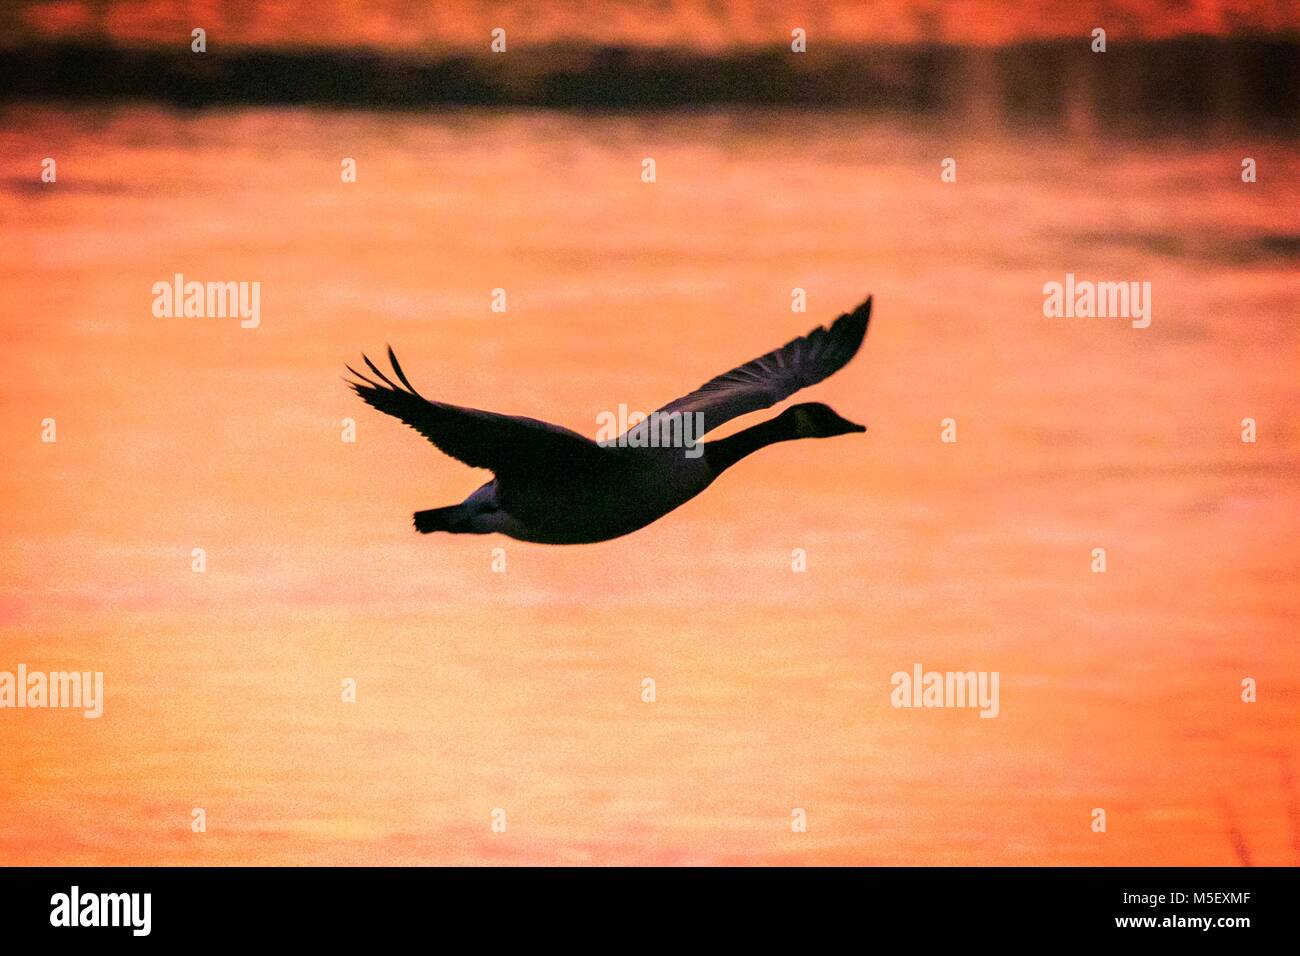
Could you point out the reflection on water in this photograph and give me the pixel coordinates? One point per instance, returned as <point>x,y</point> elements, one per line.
<point>521,690</point>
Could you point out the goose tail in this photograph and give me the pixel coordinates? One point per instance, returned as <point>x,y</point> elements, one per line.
<point>454,519</point>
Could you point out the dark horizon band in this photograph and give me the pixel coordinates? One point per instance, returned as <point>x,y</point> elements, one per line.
<point>1236,80</point>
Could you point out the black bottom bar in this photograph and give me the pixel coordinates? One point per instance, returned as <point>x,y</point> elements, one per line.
<point>1225,907</point>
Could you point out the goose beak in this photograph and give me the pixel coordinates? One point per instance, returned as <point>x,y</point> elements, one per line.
<point>843,426</point>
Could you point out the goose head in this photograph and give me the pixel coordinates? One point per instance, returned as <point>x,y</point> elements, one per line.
<point>815,420</point>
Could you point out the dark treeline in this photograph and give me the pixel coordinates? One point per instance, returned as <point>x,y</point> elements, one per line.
<point>1247,80</point>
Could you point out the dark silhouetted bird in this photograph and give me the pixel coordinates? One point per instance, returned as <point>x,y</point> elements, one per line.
<point>555,486</point>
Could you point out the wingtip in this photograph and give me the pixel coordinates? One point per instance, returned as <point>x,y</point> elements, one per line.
<point>397,368</point>
<point>358,385</point>
<point>856,322</point>
<point>861,316</point>
<point>860,313</point>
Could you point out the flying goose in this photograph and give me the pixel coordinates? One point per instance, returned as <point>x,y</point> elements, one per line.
<point>555,486</point>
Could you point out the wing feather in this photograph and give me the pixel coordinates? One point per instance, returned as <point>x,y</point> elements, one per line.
<point>780,373</point>
<point>505,444</point>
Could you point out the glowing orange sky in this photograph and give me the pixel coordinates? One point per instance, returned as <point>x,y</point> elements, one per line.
<point>467,23</point>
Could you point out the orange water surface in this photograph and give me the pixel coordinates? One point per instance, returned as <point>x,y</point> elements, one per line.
<point>521,690</point>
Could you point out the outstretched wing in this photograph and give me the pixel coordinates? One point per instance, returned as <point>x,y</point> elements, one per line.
<point>778,374</point>
<point>506,444</point>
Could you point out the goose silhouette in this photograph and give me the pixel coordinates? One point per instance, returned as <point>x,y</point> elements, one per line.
<point>555,486</point>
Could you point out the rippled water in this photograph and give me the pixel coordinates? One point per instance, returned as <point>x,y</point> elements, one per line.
<point>522,690</point>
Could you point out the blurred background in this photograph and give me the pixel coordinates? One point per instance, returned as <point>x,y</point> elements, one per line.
<point>775,171</point>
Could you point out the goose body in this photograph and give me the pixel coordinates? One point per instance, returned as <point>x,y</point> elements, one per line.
<point>555,486</point>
